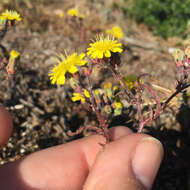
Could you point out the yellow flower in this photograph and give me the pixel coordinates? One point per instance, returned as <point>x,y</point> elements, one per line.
<point>115,88</point>
<point>14,54</point>
<point>96,92</point>
<point>118,108</point>
<point>11,15</point>
<point>80,97</point>
<point>130,80</point>
<point>73,12</point>
<point>86,93</point>
<point>103,46</point>
<point>65,65</point>
<point>118,105</point>
<point>116,31</point>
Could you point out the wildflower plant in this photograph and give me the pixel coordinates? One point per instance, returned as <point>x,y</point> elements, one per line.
<point>105,51</point>
<point>8,19</point>
<point>13,57</point>
<point>77,18</point>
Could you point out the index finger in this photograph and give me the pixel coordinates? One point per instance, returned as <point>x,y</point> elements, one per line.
<point>5,125</point>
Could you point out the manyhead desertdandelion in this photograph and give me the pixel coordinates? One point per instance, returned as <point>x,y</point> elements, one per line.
<point>75,13</point>
<point>103,47</point>
<point>10,68</point>
<point>14,54</point>
<point>11,15</point>
<point>66,64</point>
<point>81,97</point>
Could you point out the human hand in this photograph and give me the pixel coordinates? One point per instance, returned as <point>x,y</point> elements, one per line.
<point>129,162</point>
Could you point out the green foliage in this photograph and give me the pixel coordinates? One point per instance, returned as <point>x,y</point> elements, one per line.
<point>164,17</point>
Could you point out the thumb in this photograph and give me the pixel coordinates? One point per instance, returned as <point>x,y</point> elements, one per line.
<point>130,162</point>
<point>5,125</point>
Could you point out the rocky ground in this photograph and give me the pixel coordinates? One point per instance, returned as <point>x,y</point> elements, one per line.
<point>43,113</point>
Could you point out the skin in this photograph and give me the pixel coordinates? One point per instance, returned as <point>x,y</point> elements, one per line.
<point>129,162</point>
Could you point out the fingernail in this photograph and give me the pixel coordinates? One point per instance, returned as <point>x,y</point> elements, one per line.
<point>146,160</point>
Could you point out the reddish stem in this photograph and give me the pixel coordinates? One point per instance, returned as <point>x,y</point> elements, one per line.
<point>102,121</point>
<point>152,116</point>
<point>119,77</point>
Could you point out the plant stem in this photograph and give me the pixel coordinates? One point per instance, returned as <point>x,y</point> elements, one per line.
<point>179,90</point>
<point>152,116</point>
<point>3,31</point>
<point>102,121</point>
<point>119,77</point>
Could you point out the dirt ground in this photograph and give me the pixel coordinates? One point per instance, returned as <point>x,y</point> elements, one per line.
<point>43,113</point>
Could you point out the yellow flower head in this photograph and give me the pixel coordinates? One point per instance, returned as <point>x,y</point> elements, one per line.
<point>103,46</point>
<point>130,80</point>
<point>65,65</point>
<point>115,88</point>
<point>11,15</point>
<point>86,93</point>
<point>116,31</point>
<point>96,92</point>
<point>118,105</point>
<point>80,97</point>
<point>73,12</point>
<point>118,108</point>
<point>14,54</point>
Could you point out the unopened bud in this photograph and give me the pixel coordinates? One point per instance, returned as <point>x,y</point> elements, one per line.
<point>107,109</point>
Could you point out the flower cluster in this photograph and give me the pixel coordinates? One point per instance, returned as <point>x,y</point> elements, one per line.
<point>75,65</point>
<point>111,100</point>
<point>102,47</point>
<point>72,12</point>
<point>130,80</point>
